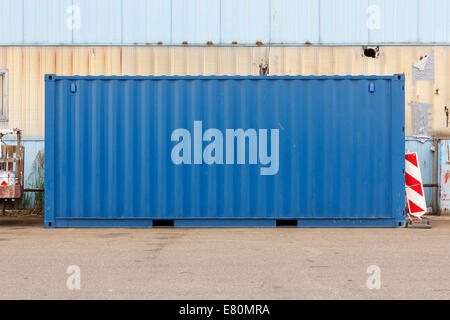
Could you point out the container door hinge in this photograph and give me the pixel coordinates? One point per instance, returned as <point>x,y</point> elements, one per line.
<point>371,87</point>
<point>73,88</point>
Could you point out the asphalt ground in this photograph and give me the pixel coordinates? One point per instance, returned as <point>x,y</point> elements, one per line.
<point>282,263</point>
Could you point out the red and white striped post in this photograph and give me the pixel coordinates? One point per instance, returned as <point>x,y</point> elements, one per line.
<point>414,188</point>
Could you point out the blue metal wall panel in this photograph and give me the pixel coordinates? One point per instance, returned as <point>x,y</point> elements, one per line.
<point>341,21</point>
<point>11,22</point>
<point>147,21</point>
<point>444,177</point>
<point>47,21</point>
<point>196,21</point>
<point>294,22</point>
<point>425,154</point>
<point>101,22</point>
<point>245,21</point>
<point>399,22</point>
<point>434,24</point>
<point>109,150</point>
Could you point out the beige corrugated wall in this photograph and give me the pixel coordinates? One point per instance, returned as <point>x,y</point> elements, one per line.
<point>27,66</point>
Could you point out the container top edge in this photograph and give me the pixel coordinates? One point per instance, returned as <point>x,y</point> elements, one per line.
<point>52,77</point>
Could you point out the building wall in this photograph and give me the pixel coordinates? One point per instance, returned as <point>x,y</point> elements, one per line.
<point>180,37</point>
<point>427,90</point>
<point>171,22</point>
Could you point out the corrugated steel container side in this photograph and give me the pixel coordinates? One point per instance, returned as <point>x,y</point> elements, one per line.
<point>293,22</point>
<point>111,158</point>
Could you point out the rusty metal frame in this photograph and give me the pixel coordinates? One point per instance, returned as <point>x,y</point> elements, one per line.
<point>13,154</point>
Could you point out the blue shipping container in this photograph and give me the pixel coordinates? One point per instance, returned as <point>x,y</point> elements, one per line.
<point>219,151</point>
